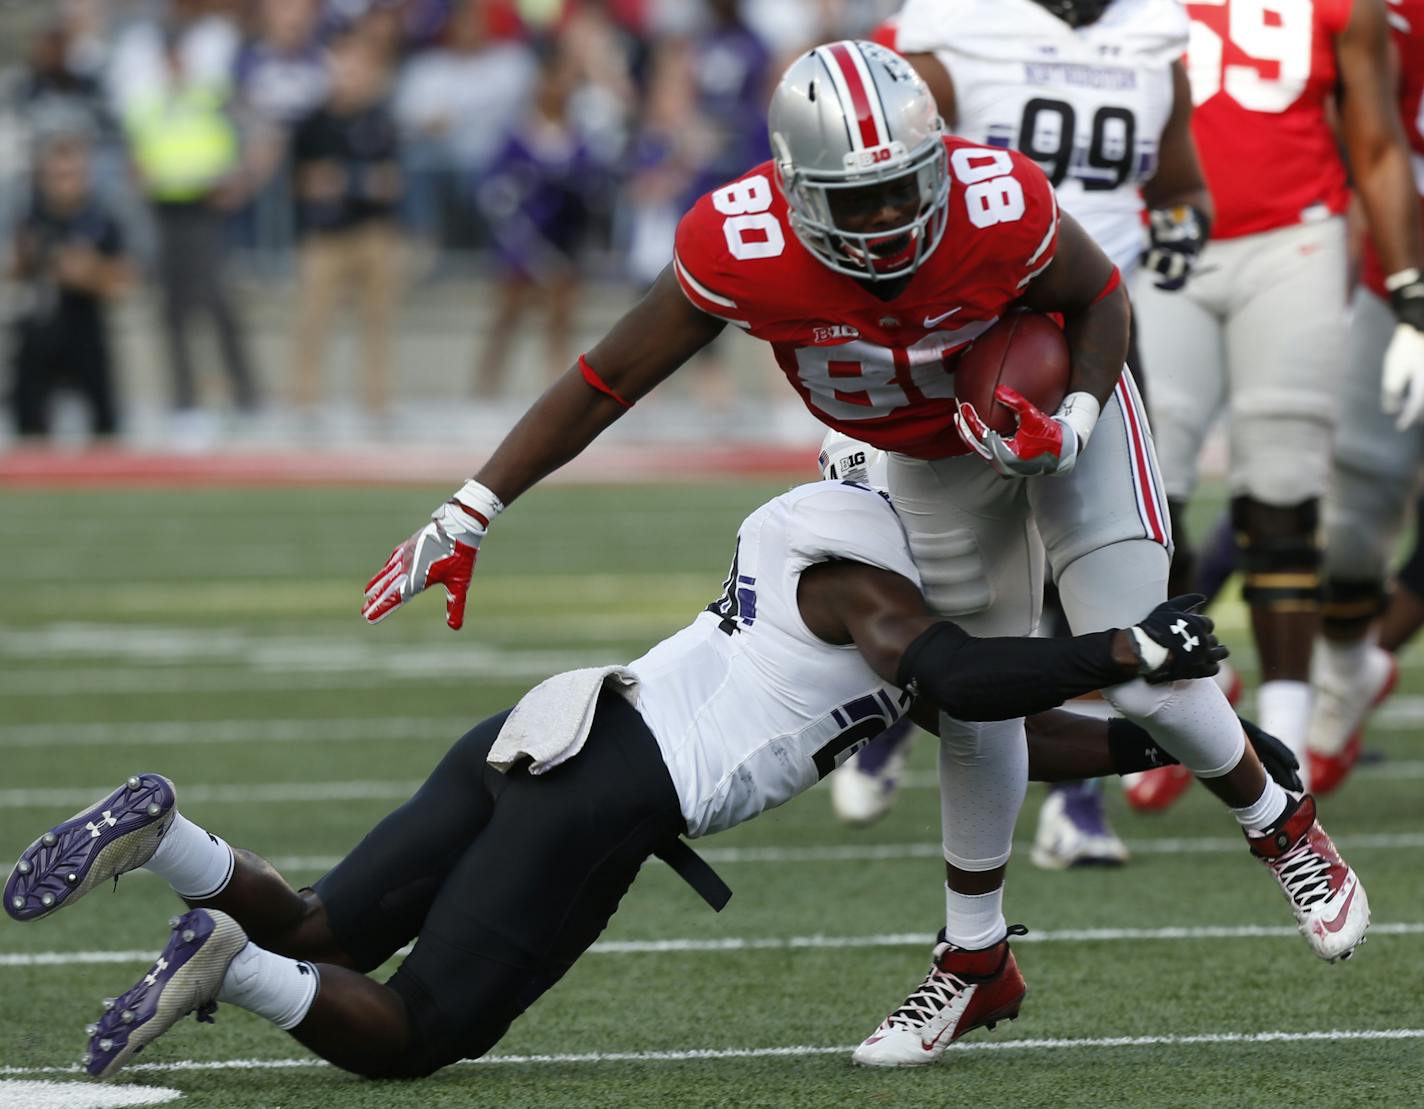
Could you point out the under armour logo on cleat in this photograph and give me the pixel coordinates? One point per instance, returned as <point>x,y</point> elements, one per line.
<point>94,828</point>
<point>1188,641</point>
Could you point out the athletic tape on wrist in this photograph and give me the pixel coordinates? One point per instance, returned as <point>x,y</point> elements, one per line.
<point>1152,653</point>
<point>479,501</point>
<point>1080,411</point>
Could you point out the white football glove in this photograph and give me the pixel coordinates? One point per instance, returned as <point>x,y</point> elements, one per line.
<point>1402,383</point>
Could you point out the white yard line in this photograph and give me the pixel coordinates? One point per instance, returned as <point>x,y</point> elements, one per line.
<point>174,733</point>
<point>1094,1043</point>
<point>801,943</point>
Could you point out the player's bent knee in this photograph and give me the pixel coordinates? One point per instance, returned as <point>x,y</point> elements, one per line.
<point>1137,700</point>
<point>1280,553</point>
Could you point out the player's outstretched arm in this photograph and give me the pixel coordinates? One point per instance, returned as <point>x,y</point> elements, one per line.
<point>886,617</point>
<point>1380,163</point>
<point>1177,197</point>
<point>650,342</point>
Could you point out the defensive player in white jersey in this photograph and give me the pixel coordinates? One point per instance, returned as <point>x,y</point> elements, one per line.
<point>1259,335</point>
<point>1096,93</point>
<point>820,638</point>
<point>869,252</point>
<point>1376,469</point>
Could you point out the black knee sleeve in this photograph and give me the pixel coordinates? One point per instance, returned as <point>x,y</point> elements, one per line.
<point>1348,602</point>
<point>1280,553</point>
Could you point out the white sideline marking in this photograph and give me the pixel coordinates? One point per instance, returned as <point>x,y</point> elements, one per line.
<point>870,852</point>
<point>171,733</point>
<point>798,1050</point>
<point>82,1095</point>
<point>799,943</point>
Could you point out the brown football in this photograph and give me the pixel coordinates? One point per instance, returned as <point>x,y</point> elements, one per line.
<point>1025,351</point>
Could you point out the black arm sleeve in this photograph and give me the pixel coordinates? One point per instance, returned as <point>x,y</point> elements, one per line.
<point>998,679</point>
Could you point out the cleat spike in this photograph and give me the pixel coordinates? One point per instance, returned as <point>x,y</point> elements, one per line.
<point>86,1059</point>
<point>17,903</point>
<point>106,1044</point>
<point>90,1029</point>
<point>127,1016</point>
<point>49,839</point>
<point>72,879</point>
<point>174,921</point>
<point>189,935</point>
<point>992,1025</point>
<point>154,808</point>
<point>109,1003</point>
<point>134,782</point>
<point>47,899</point>
<point>23,866</point>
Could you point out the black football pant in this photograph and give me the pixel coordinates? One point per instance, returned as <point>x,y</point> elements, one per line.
<point>502,880</point>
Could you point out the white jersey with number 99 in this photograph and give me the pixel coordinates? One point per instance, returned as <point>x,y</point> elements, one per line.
<point>1088,105</point>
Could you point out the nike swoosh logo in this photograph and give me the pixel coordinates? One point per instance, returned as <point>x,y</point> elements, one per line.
<point>1339,921</point>
<point>930,321</point>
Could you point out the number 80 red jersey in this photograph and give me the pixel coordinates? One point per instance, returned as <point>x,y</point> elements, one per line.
<point>878,370</point>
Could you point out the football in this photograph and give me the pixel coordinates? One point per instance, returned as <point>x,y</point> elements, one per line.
<point>1025,351</point>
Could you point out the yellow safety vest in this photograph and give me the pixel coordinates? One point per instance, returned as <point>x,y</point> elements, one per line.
<point>183,142</point>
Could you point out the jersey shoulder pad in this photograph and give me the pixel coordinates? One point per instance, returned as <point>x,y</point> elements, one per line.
<point>985,222</point>
<point>1151,31</point>
<point>929,25</point>
<point>734,247</point>
<point>843,520</point>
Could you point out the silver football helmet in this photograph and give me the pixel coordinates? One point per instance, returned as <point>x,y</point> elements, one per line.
<point>851,115</point>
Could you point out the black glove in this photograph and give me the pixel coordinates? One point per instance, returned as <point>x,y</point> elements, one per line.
<point>1275,756</point>
<point>1178,235</point>
<point>1175,641</point>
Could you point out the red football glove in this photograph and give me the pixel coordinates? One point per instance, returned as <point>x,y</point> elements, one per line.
<point>1041,444</point>
<point>442,552</point>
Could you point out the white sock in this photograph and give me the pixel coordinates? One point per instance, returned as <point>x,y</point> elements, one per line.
<point>1343,661</point>
<point>272,986</point>
<point>1267,809</point>
<point>974,921</point>
<point>196,863</point>
<point>1283,709</point>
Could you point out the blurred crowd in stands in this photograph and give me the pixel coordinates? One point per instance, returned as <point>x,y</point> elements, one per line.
<point>355,148</point>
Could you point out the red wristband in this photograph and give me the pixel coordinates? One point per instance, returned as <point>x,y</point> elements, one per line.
<point>1107,290</point>
<point>591,376</point>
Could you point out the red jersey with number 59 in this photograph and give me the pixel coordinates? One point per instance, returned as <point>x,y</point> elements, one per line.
<point>878,370</point>
<point>1406,29</point>
<point>1261,74</point>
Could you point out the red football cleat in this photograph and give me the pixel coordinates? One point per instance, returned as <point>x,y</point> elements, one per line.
<point>1342,709</point>
<point>1326,897</point>
<point>1156,789</point>
<point>964,990</point>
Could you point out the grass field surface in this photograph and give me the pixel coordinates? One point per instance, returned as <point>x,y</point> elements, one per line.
<point>213,636</point>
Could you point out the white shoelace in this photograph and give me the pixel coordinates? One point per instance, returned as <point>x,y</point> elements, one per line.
<point>1304,873</point>
<point>936,993</point>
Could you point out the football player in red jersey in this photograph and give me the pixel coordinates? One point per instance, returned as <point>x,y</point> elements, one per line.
<point>1096,92</point>
<point>1378,454</point>
<point>868,252</point>
<point>1260,332</point>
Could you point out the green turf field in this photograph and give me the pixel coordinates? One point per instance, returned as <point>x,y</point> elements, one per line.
<point>214,636</point>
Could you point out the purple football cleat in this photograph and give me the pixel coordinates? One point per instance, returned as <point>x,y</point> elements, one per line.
<point>109,838</point>
<point>185,977</point>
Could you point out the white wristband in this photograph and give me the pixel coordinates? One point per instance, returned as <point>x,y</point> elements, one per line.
<point>1080,411</point>
<point>479,498</point>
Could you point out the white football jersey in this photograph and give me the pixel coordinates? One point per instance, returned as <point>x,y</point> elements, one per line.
<point>1088,105</point>
<point>748,706</point>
